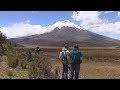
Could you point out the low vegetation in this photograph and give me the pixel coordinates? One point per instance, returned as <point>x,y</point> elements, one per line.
<point>47,65</point>
<point>10,73</point>
<point>25,63</point>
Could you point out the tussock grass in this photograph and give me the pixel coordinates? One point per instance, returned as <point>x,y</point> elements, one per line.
<point>23,64</point>
<point>9,73</point>
<point>12,60</point>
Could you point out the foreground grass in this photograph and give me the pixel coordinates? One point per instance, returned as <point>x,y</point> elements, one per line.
<point>14,73</point>
<point>100,70</point>
<point>95,70</point>
<point>89,70</point>
<point>97,64</point>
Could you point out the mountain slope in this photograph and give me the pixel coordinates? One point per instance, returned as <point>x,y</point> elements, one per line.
<point>70,35</point>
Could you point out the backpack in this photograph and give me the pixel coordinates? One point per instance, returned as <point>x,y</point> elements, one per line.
<point>63,56</point>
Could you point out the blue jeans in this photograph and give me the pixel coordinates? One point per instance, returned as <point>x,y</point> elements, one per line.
<point>74,71</point>
<point>65,71</point>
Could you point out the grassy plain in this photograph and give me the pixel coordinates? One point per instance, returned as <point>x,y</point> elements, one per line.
<point>98,63</point>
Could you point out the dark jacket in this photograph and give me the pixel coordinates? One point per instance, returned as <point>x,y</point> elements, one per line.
<point>75,56</point>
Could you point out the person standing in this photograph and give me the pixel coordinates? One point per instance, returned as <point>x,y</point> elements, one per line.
<point>75,61</point>
<point>64,57</point>
<point>37,51</point>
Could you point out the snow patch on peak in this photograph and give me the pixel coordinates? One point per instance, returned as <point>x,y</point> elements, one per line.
<point>65,23</point>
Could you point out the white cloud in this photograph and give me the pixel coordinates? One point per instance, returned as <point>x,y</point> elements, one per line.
<point>35,11</point>
<point>24,29</point>
<point>118,14</point>
<point>86,15</point>
<point>108,11</point>
<point>90,20</point>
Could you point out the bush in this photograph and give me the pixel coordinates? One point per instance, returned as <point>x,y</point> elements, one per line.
<point>2,39</point>
<point>23,64</point>
<point>29,56</point>
<point>1,59</point>
<point>10,73</point>
<point>57,73</point>
<point>12,60</point>
<point>13,63</point>
<point>40,68</point>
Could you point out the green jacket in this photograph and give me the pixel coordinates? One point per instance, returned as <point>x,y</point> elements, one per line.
<point>75,56</point>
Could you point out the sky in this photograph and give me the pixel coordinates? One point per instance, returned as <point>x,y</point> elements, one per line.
<point>22,23</point>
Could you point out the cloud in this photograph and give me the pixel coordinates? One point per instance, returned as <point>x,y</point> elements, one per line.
<point>24,29</point>
<point>31,11</point>
<point>108,11</point>
<point>86,15</point>
<point>118,14</point>
<point>34,11</point>
<point>91,20</point>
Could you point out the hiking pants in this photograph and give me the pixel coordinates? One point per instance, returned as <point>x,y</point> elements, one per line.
<point>74,71</point>
<point>65,71</point>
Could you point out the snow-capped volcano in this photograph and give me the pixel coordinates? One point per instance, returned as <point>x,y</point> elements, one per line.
<point>70,34</point>
<point>65,23</point>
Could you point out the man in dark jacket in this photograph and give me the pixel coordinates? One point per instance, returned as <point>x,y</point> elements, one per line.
<point>75,61</point>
